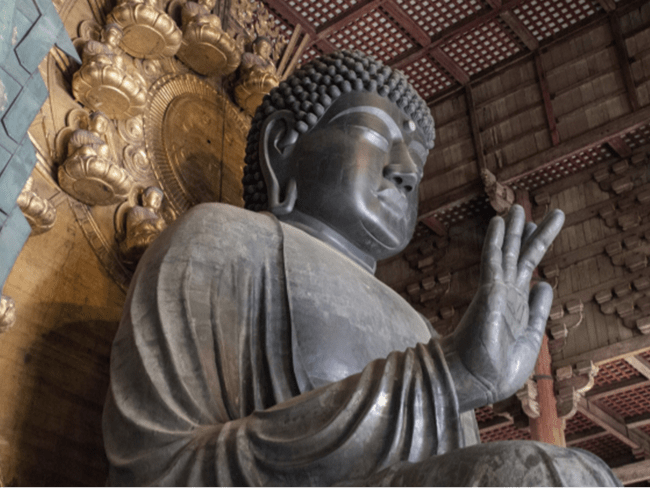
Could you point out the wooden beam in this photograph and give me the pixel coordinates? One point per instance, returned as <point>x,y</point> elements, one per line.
<point>450,65</point>
<point>520,29</point>
<point>640,364</point>
<point>467,24</point>
<point>458,196</point>
<point>596,432</point>
<point>358,10</point>
<point>633,473</point>
<point>546,96</point>
<point>587,140</point>
<point>476,133</point>
<point>599,392</point>
<point>405,20</point>
<point>620,147</point>
<point>608,5</point>
<point>619,350</point>
<point>624,60</point>
<point>631,437</point>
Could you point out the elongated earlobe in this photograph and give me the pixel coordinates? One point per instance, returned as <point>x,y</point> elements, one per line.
<point>276,145</point>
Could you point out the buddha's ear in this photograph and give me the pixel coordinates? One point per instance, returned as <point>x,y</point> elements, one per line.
<point>277,140</point>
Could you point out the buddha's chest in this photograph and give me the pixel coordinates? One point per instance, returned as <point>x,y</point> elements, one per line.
<point>342,317</point>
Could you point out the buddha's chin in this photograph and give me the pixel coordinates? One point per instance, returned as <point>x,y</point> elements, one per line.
<point>385,242</point>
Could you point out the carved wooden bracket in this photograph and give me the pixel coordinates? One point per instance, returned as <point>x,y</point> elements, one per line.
<point>572,383</point>
<point>561,323</point>
<point>528,397</point>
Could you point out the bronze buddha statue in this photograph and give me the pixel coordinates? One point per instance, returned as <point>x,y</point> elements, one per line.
<point>257,347</point>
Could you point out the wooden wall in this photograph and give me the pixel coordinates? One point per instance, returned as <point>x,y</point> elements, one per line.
<point>54,361</point>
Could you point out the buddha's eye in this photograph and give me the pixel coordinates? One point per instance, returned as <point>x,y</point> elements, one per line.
<point>372,136</point>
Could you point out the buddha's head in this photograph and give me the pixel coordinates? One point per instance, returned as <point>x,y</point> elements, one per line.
<point>99,123</point>
<point>341,145</point>
<point>262,47</point>
<point>208,4</point>
<point>152,198</point>
<point>7,313</point>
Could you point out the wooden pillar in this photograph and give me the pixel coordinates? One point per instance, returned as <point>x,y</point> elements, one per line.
<point>548,427</point>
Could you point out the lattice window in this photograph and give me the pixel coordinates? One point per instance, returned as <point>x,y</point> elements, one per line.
<point>310,53</point>
<point>319,12</point>
<point>606,447</point>
<point>426,77</point>
<point>435,16</point>
<point>375,34</point>
<point>484,414</point>
<point>578,423</point>
<point>507,432</point>
<point>638,137</point>
<point>454,215</point>
<point>564,168</point>
<point>547,17</point>
<point>615,372</point>
<point>631,402</point>
<point>481,47</point>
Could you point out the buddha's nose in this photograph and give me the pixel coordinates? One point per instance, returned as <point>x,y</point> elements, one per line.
<point>403,175</point>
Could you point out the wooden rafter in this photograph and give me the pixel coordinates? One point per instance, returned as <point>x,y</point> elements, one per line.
<point>467,24</point>
<point>476,133</point>
<point>632,437</point>
<point>358,10</point>
<point>546,97</point>
<point>624,59</point>
<point>594,137</point>
<point>517,26</point>
<point>612,352</point>
<point>633,473</point>
<point>620,147</point>
<point>640,364</point>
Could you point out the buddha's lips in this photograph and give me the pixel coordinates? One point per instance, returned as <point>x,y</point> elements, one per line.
<point>395,200</point>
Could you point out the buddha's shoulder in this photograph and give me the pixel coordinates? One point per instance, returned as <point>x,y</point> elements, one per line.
<point>222,226</point>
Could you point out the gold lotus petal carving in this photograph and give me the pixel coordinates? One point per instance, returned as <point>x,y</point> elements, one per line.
<point>109,89</point>
<point>209,51</point>
<point>148,32</point>
<point>249,94</point>
<point>94,180</point>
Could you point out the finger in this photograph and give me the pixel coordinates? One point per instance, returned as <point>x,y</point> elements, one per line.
<point>536,246</point>
<point>512,242</point>
<point>530,341</point>
<point>491,256</point>
<point>528,232</point>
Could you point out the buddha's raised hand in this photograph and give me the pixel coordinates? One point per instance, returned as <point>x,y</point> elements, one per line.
<point>494,348</point>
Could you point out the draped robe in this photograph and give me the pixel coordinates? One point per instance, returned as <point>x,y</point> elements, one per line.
<point>250,353</point>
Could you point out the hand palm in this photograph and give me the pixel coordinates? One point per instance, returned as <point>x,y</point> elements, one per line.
<point>499,336</point>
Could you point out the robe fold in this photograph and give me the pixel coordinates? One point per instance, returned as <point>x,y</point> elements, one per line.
<point>250,353</point>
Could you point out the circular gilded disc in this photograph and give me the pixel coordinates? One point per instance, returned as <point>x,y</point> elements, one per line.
<point>196,140</point>
<point>94,190</point>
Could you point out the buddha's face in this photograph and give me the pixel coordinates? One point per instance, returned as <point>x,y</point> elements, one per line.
<point>358,172</point>
<point>113,36</point>
<point>152,199</point>
<point>263,49</point>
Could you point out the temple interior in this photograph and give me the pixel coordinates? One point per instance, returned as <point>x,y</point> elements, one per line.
<point>120,115</point>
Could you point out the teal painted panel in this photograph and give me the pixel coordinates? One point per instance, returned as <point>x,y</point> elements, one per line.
<point>13,67</point>
<point>4,158</point>
<point>7,9</point>
<point>29,9</point>
<point>64,43</point>
<point>23,25</point>
<point>13,235</point>
<point>7,142</point>
<point>11,88</point>
<point>15,175</point>
<point>20,115</point>
<point>37,43</point>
